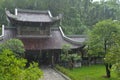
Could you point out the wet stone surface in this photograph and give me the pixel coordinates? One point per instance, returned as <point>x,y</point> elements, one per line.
<point>50,74</point>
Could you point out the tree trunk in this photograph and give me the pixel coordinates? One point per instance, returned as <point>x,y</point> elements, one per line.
<point>108,67</point>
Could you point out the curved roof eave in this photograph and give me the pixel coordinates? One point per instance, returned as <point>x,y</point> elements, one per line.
<point>17,18</point>
<point>69,39</point>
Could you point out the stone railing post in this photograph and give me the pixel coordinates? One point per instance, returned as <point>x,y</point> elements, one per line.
<point>3,32</point>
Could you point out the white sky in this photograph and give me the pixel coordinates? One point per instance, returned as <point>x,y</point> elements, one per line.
<point>98,0</point>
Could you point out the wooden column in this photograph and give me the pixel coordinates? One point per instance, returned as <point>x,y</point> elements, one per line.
<point>18,30</point>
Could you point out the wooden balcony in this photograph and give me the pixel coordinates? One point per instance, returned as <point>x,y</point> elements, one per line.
<point>33,36</point>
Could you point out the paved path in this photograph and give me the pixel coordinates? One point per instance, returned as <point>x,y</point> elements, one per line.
<point>50,74</point>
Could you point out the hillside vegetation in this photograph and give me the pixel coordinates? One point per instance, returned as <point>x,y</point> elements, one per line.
<point>78,15</point>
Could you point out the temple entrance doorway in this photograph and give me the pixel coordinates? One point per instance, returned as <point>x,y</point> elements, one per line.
<point>45,59</point>
<point>42,57</point>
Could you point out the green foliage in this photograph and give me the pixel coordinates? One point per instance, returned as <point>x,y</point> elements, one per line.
<point>66,48</point>
<point>94,72</point>
<point>113,58</point>
<point>33,71</point>
<point>12,68</point>
<point>116,68</point>
<point>101,37</point>
<point>77,13</point>
<point>68,58</point>
<point>65,57</point>
<point>66,72</point>
<point>14,45</point>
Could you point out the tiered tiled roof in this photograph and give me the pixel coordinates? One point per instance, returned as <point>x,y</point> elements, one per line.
<point>31,16</point>
<point>56,41</point>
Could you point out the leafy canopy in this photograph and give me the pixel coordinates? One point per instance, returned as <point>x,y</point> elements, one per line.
<point>66,56</point>
<point>104,39</point>
<point>14,68</point>
<point>113,57</point>
<point>101,37</point>
<point>14,45</point>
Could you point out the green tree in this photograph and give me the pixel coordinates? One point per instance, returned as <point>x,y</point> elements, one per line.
<point>14,68</point>
<point>14,45</point>
<point>77,13</point>
<point>65,54</point>
<point>67,58</point>
<point>101,39</point>
<point>113,58</point>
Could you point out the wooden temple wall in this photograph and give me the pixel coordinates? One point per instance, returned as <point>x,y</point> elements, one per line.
<point>33,31</point>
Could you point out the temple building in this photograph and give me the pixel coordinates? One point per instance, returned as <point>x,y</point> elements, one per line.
<point>41,34</point>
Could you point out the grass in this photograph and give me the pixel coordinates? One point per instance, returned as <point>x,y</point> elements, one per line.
<point>94,72</point>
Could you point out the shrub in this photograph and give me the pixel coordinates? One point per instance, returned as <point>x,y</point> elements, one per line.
<point>64,71</point>
<point>14,45</point>
<point>14,68</point>
<point>68,59</point>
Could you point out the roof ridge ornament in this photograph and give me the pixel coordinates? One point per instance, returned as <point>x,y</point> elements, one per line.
<point>50,13</point>
<point>16,11</point>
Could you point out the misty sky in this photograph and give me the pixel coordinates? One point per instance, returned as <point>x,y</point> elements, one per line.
<point>96,0</point>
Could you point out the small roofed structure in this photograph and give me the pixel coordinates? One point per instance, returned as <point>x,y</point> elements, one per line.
<point>34,29</point>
